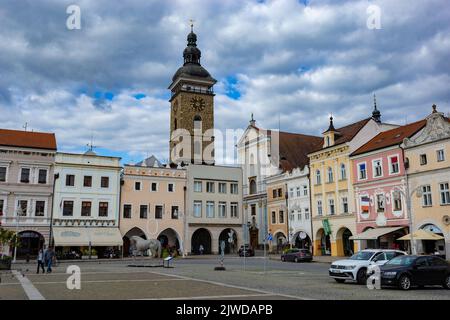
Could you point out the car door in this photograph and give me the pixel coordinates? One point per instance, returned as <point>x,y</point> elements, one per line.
<point>421,272</point>
<point>379,258</point>
<point>438,270</point>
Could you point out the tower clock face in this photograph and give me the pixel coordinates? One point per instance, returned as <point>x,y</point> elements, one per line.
<point>198,104</point>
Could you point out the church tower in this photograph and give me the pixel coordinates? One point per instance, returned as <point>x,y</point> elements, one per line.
<point>192,109</point>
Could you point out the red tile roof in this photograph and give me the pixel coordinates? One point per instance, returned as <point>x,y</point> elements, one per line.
<point>27,139</point>
<point>294,149</point>
<point>391,137</point>
<point>344,134</point>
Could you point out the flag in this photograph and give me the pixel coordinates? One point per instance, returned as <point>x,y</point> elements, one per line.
<point>365,203</point>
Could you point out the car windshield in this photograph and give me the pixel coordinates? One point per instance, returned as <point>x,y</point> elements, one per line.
<point>401,261</point>
<point>362,255</point>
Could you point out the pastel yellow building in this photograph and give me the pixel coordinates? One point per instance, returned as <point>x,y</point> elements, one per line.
<point>332,195</point>
<point>427,157</point>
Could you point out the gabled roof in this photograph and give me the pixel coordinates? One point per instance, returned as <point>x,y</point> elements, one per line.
<point>344,134</point>
<point>294,149</point>
<point>150,162</point>
<point>391,137</point>
<point>27,139</point>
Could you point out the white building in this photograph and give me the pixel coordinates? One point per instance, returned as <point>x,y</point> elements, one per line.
<point>86,202</point>
<point>300,227</point>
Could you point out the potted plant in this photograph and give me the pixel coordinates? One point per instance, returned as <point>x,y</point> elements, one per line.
<point>85,254</point>
<point>6,237</point>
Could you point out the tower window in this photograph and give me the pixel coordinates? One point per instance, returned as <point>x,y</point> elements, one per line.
<point>197,122</point>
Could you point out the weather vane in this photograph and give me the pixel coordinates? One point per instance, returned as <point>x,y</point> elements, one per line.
<point>191,23</point>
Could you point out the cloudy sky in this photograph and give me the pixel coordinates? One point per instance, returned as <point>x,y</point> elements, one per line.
<point>290,62</point>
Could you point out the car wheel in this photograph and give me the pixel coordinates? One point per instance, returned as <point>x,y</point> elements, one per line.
<point>295,259</point>
<point>404,282</point>
<point>361,277</point>
<point>447,282</point>
<point>340,280</point>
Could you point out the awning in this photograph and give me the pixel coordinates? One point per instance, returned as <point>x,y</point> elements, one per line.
<point>422,235</point>
<point>72,236</point>
<point>374,234</point>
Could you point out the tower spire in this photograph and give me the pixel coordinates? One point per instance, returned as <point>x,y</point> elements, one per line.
<point>376,114</point>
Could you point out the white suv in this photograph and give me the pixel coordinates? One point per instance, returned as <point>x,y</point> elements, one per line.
<point>355,267</point>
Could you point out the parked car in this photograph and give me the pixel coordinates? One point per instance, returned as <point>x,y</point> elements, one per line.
<point>249,252</point>
<point>408,271</point>
<point>355,267</point>
<point>297,255</point>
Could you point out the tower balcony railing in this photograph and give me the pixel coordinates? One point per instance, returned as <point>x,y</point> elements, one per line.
<point>194,90</point>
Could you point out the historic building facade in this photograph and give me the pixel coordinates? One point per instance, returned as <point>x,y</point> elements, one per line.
<point>332,193</point>
<point>153,204</point>
<point>86,210</point>
<point>26,184</point>
<point>379,179</point>
<point>427,158</point>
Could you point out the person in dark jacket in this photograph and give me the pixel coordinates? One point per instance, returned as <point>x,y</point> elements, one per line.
<point>40,261</point>
<point>49,256</point>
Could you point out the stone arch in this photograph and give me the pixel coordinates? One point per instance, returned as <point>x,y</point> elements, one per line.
<point>322,243</point>
<point>344,246</point>
<point>229,247</point>
<point>134,231</point>
<point>300,243</point>
<point>201,237</point>
<point>30,241</point>
<point>169,238</point>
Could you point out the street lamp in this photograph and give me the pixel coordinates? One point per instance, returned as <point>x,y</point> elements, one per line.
<point>408,194</point>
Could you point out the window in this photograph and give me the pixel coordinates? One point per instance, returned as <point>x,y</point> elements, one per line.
<point>274,217</point>
<point>426,196</point>
<point>197,209</point>
<point>331,206</point>
<point>197,186</point>
<point>345,205</point>
<point>234,210</point>
<point>318,177</point>
<point>170,187</point>
<point>158,212</point>
<point>222,209</point>
<point>137,186</point>
<point>2,204</point>
<point>280,192</point>
<point>68,208</point>
<point>234,188</point>
<point>209,187</point>
<point>70,180</point>
<point>127,211</point>
<point>423,159</point>
<point>87,181</point>
<point>42,177</point>
<point>274,193</point>
<point>104,182</point>
<point>298,191</point>
<point>440,155</point>
<point>394,165</point>
<point>380,203</point>
<point>174,212</point>
<point>305,190</point>
<point>86,208</point>
<point>299,217</point>
<point>103,209</point>
<point>2,174</point>
<point>306,213</point>
<point>143,211</point>
<point>328,141</point>
<point>154,187</point>
<point>39,209</point>
<point>377,168</point>
<point>319,207</point>
<point>343,172</point>
<point>222,187</point>
<point>330,174</point>
<point>362,171</point>
<point>291,216</point>
<point>253,186</point>
<point>445,193</point>
<point>22,208</point>
<point>397,201</point>
<point>291,192</point>
<point>210,209</point>
<point>281,216</point>
<point>25,175</point>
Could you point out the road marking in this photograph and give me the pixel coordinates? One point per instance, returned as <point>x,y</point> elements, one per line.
<point>28,287</point>
<point>109,281</point>
<point>233,286</point>
<point>212,297</point>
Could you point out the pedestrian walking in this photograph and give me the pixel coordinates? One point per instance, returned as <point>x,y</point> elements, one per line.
<point>201,249</point>
<point>49,256</point>
<point>40,261</point>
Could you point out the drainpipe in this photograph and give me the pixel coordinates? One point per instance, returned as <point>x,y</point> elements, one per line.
<point>185,223</point>
<point>311,211</point>
<point>286,196</point>
<point>50,239</point>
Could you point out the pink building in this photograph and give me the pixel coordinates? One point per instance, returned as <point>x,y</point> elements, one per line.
<point>379,179</point>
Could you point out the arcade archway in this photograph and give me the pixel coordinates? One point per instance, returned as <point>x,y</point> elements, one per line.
<point>201,238</point>
<point>29,244</point>
<point>127,248</point>
<point>226,235</point>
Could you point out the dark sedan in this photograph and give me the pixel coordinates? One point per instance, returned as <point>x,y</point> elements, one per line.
<point>409,271</point>
<point>297,255</point>
<point>246,251</point>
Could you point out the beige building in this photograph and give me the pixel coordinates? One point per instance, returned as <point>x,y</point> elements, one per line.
<point>26,184</point>
<point>153,204</point>
<point>427,157</point>
<point>214,209</point>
